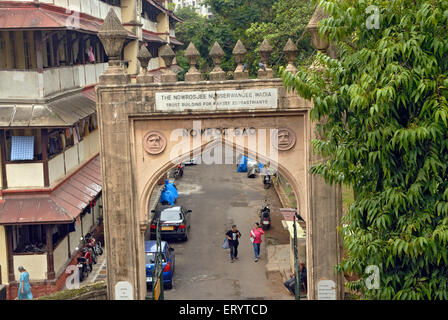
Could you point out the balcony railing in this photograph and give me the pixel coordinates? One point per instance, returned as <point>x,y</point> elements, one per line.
<point>30,174</point>
<point>95,8</point>
<point>28,84</point>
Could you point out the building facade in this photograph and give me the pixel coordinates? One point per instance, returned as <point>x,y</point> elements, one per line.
<point>50,60</point>
<point>195,4</point>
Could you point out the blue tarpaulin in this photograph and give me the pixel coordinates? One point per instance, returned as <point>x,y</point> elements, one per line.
<point>170,186</point>
<point>260,166</point>
<point>167,196</point>
<point>169,193</point>
<point>242,167</point>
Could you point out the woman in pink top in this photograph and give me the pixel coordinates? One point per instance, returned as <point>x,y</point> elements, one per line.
<point>255,237</point>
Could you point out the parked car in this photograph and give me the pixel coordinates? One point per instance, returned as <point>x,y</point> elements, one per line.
<point>168,261</point>
<point>174,223</point>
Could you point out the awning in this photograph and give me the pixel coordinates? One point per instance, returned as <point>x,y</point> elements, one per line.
<point>176,42</point>
<point>63,112</point>
<point>42,16</point>
<point>64,204</point>
<point>152,37</point>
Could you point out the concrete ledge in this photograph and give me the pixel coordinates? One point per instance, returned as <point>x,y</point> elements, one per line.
<point>95,291</point>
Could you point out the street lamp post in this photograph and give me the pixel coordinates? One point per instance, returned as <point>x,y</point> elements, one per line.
<point>157,280</point>
<point>296,260</point>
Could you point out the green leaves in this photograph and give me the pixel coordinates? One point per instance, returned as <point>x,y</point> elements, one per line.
<point>384,102</point>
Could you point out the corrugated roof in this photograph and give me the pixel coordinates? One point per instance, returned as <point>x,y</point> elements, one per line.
<point>62,205</point>
<point>38,15</point>
<point>176,42</point>
<point>42,16</point>
<point>150,36</point>
<point>62,112</point>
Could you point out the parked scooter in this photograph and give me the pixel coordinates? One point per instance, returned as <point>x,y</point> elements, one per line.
<point>87,254</point>
<point>179,171</point>
<point>267,181</point>
<point>93,244</point>
<point>82,268</point>
<point>265,216</point>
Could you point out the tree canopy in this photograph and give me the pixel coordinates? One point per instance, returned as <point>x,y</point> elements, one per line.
<point>382,110</point>
<point>249,21</point>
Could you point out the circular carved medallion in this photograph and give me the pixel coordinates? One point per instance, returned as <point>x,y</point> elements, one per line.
<point>283,139</point>
<point>154,142</point>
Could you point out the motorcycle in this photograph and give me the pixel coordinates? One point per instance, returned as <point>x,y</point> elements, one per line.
<point>88,256</point>
<point>179,172</point>
<point>82,268</point>
<point>267,181</point>
<point>93,244</point>
<point>265,216</point>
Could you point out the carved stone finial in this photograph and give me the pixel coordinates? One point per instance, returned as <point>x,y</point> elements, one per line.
<point>291,51</point>
<point>217,54</point>
<point>192,55</point>
<point>265,50</point>
<point>168,55</point>
<point>112,36</point>
<point>320,43</point>
<point>239,53</point>
<point>143,57</point>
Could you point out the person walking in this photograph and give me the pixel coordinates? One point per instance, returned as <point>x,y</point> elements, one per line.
<point>233,235</point>
<point>255,238</point>
<point>24,285</point>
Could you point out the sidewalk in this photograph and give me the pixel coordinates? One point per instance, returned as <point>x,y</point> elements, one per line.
<point>99,271</point>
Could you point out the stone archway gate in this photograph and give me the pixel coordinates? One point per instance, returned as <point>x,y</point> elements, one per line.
<point>146,126</point>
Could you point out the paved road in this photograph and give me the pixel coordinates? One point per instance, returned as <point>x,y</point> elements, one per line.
<point>219,197</point>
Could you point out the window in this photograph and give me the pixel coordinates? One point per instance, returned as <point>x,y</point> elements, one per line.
<point>168,215</point>
<point>33,238</point>
<point>151,257</point>
<point>26,46</point>
<point>55,143</point>
<point>29,239</point>
<point>21,146</point>
<point>2,52</point>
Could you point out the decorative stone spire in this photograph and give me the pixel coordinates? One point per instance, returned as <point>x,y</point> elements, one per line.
<point>320,43</point>
<point>217,54</point>
<point>167,54</point>
<point>265,50</point>
<point>144,56</point>
<point>239,53</point>
<point>192,55</point>
<point>290,50</point>
<point>112,36</point>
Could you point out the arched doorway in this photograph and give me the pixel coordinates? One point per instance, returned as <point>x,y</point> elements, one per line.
<point>219,196</point>
<point>141,125</point>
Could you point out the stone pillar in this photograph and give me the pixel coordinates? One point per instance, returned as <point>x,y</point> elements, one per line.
<point>217,54</point>
<point>120,231</point>
<point>326,249</point>
<point>239,53</point>
<point>265,50</point>
<point>167,54</point>
<point>143,57</point>
<point>192,55</point>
